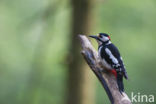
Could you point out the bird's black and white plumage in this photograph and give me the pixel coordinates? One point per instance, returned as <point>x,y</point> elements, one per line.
<point>111,58</point>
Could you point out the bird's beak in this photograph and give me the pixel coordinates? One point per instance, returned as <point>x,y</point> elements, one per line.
<point>95,37</point>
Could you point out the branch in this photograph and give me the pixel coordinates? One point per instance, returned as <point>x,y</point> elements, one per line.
<point>107,80</point>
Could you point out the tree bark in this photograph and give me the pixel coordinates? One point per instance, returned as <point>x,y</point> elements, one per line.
<point>105,77</point>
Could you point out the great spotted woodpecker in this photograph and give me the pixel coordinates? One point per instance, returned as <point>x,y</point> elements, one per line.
<point>111,58</point>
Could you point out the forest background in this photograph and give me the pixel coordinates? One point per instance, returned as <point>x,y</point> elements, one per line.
<point>40,60</point>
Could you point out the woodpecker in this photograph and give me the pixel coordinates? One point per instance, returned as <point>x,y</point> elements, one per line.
<point>111,58</point>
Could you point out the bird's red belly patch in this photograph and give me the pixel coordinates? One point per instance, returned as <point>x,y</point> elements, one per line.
<point>113,71</point>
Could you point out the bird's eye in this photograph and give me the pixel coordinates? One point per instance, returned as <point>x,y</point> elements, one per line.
<point>100,36</point>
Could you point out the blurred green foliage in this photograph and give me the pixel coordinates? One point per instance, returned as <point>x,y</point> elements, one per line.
<point>34,42</point>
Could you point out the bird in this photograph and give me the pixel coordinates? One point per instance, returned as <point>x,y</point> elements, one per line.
<point>111,58</point>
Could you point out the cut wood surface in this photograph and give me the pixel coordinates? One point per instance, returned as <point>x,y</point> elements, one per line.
<point>107,80</point>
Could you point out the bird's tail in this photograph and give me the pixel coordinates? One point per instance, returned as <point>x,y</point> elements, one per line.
<point>120,82</point>
<point>125,75</point>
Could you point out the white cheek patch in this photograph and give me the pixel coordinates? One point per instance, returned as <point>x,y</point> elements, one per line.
<point>114,60</point>
<point>105,39</point>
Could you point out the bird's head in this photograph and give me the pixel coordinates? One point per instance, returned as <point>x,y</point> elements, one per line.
<point>101,38</point>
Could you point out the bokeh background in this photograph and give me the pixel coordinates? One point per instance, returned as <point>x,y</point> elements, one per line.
<point>40,61</point>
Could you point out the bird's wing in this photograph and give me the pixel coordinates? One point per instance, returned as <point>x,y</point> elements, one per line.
<point>114,60</point>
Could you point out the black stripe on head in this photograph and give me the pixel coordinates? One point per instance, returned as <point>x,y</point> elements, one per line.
<point>103,34</point>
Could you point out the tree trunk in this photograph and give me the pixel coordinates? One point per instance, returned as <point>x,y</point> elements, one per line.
<point>78,85</point>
